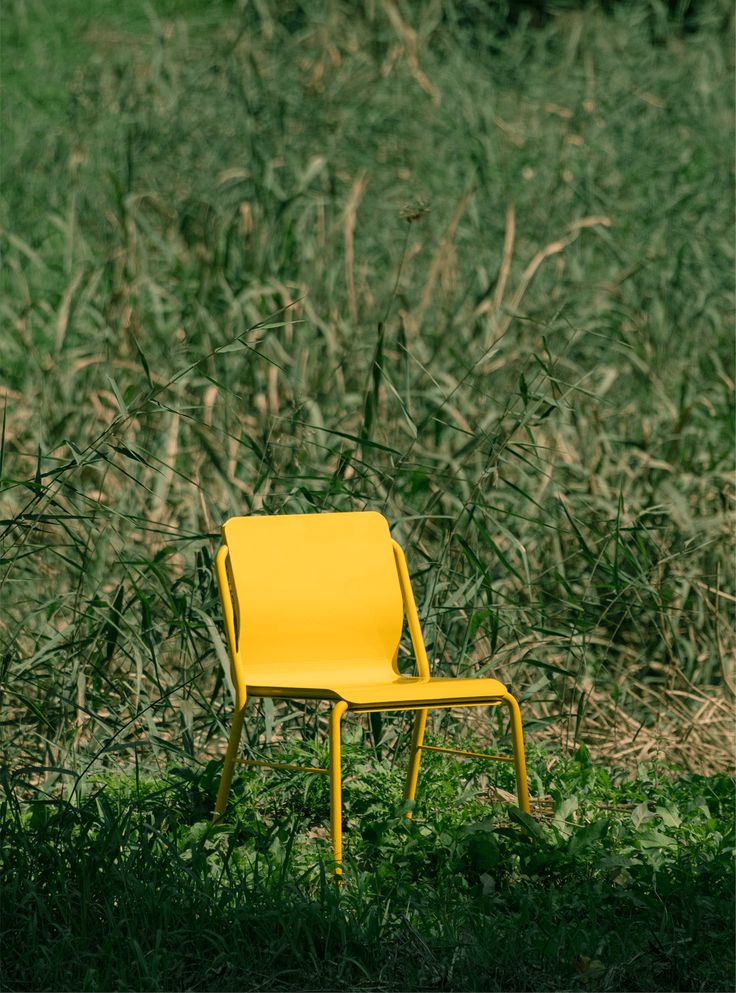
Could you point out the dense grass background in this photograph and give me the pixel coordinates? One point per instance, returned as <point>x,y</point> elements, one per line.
<point>471,266</point>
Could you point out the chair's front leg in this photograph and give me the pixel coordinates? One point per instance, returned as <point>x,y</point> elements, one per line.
<point>336,785</point>
<point>415,757</point>
<point>233,744</point>
<point>517,740</point>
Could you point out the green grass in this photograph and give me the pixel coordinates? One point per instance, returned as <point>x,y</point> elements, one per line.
<point>623,884</point>
<point>472,270</point>
<point>214,304</point>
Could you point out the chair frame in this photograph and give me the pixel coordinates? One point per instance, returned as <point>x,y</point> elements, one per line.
<point>340,707</point>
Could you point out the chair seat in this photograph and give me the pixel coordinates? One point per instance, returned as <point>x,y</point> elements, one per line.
<point>404,692</point>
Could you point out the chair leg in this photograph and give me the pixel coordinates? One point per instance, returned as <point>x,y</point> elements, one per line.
<point>517,739</point>
<point>415,756</point>
<point>231,754</point>
<point>336,785</point>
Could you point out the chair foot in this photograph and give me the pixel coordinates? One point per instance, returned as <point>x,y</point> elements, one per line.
<point>226,779</point>
<point>415,757</point>
<point>336,786</point>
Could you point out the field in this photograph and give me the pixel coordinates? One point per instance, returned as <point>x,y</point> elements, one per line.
<point>469,265</point>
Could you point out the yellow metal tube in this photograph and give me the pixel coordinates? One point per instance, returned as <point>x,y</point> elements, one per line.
<point>438,704</point>
<point>336,785</point>
<point>412,616</point>
<point>517,739</point>
<point>470,755</point>
<point>236,666</point>
<point>230,757</point>
<point>415,756</point>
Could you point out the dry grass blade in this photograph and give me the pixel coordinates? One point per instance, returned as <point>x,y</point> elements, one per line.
<point>440,257</point>
<point>351,210</point>
<point>409,39</point>
<point>500,325</point>
<point>508,251</point>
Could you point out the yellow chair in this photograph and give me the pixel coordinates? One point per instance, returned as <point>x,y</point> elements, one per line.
<point>313,607</point>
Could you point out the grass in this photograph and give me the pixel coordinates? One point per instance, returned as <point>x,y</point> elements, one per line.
<point>472,271</point>
<point>620,884</point>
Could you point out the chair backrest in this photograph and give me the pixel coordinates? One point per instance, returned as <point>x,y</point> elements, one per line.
<point>314,593</point>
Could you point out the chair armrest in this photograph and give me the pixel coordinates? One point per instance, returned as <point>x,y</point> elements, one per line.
<point>226,601</point>
<point>412,617</point>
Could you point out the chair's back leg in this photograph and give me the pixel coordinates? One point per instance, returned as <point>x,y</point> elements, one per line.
<point>415,756</point>
<point>517,739</point>
<point>233,744</point>
<point>336,784</point>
